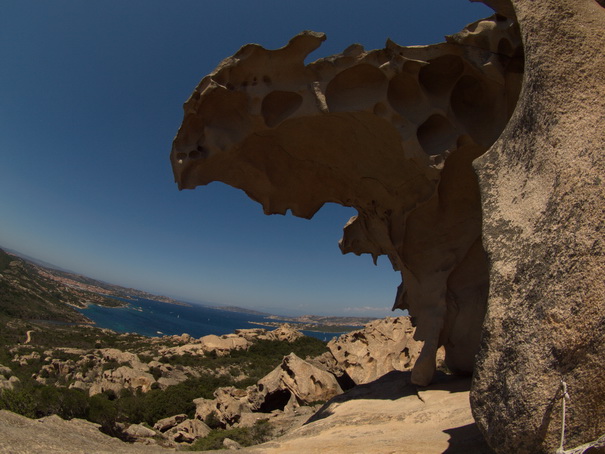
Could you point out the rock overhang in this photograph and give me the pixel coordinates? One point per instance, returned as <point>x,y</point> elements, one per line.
<point>536,207</point>
<point>391,132</point>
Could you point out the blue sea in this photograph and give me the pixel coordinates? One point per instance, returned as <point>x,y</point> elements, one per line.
<point>154,318</point>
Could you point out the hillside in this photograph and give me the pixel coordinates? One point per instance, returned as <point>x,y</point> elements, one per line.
<point>79,281</point>
<point>27,291</point>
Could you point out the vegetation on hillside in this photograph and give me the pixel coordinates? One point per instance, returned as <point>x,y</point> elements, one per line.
<point>40,327</point>
<point>35,400</point>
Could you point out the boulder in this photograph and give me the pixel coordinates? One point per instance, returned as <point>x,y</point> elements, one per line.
<point>123,377</point>
<point>168,423</point>
<point>188,431</point>
<point>113,354</point>
<point>252,334</point>
<point>5,371</point>
<point>78,384</point>
<point>9,383</point>
<point>204,407</point>
<point>294,381</point>
<point>382,346</point>
<point>230,444</point>
<point>230,403</point>
<point>224,344</point>
<point>285,333</point>
<point>130,378</point>
<point>139,431</point>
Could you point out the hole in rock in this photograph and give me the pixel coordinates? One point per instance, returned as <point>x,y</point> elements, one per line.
<point>436,135</point>
<point>473,106</point>
<point>405,96</point>
<point>194,154</point>
<point>279,105</point>
<point>505,51</point>
<point>276,400</point>
<point>345,381</point>
<point>356,88</point>
<point>440,75</point>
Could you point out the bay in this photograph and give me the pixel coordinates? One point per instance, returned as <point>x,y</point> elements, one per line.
<point>154,318</point>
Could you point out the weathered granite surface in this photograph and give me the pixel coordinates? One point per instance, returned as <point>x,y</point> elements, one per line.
<point>543,203</point>
<point>394,133</point>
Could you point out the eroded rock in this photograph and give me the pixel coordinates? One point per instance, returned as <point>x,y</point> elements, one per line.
<point>188,431</point>
<point>391,132</point>
<point>382,346</point>
<point>139,431</point>
<point>168,423</point>
<point>394,133</point>
<point>298,379</point>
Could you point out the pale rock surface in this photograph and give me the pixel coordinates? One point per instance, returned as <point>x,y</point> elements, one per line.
<point>204,407</point>
<point>394,133</point>
<point>220,345</point>
<point>168,423</point>
<point>327,362</point>
<point>305,382</point>
<point>544,220</point>
<point>53,435</point>
<point>7,379</point>
<point>139,431</point>
<point>188,431</point>
<point>230,403</point>
<point>380,347</point>
<point>252,334</point>
<point>230,444</point>
<point>293,383</point>
<point>123,377</point>
<point>6,371</point>
<point>224,344</point>
<point>388,416</point>
<point>391,132</point>
<point>113,354</point>
<point>285,333</point>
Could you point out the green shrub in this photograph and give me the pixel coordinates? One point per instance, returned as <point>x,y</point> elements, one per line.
<point>245,436</point>
<point>18,401</point>
<point>40,401</point>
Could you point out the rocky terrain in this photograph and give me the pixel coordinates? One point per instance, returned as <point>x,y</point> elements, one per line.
<point>381,417</point>
<point>475,165</point>
<point>19,275</point>
<point>302,400</point>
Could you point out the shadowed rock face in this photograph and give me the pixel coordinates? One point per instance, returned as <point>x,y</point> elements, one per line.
<point>391,132</point>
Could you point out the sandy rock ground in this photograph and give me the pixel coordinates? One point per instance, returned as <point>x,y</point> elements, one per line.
<point>388,415</point>
<point>53,435</point>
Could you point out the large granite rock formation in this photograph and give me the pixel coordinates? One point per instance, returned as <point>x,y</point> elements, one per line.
<point>391,132</point>
<point>543,224</point>
<point>380,347</point>
<point>394,133</point>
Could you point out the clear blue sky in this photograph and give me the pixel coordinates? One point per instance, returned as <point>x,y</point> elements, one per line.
<point>91,97</point>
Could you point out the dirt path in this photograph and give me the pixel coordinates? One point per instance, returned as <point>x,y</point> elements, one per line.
<point>29,336</point>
